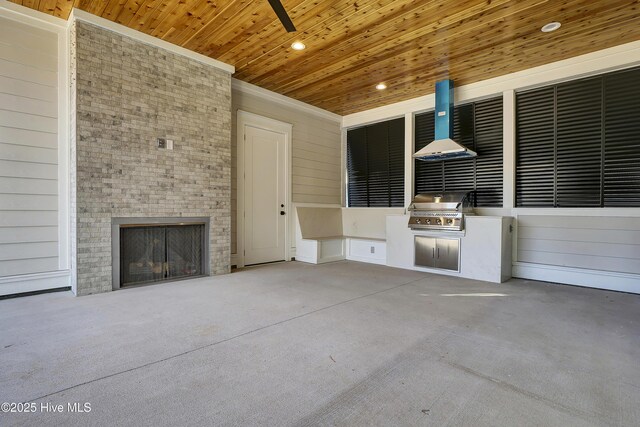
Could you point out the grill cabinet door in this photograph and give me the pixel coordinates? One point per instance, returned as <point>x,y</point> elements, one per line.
<point>425,251</point>
<point>447,254</point>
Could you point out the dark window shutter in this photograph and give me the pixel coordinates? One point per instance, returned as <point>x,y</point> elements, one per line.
<point>488,145</point>
<point>428,176</point>
<point>396,163</point>
<point>535,154</point>
<point>578,143</point>
<point>378,164</point>
<point>621,178</point>
<point>375,165</point>
<point>357,167</point>
<point>459,173</point>
<point>477,126</point>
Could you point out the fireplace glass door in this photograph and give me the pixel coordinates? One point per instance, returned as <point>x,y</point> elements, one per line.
<point>161,252</point>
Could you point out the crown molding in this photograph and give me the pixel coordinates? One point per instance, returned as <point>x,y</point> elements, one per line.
<point>252,89</point>
<point>81,15</point>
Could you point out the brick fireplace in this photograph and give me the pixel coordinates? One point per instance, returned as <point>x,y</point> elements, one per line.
<point>126,95</point>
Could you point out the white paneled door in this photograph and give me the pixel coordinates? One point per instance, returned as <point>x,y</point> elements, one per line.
<point>265,206</point>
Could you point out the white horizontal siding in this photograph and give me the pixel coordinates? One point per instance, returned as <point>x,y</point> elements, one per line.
<point>28,218</point>
<point>586,235</point>
<point>28,37</point>
<point>32,122</point>
<point>28,138</point>
<point>617,250</point>
<point>315,190</point>
<point>36,107</point>
<point>25,73</point>
<point>317,181</point>
<point>23,153</point>
<point>318,148</point>
<point>28,89</point>
<point>595,243</point>
<point>19,169</point>
<point>315,199</point>
<point>29,57</point>
<point>13,185</point>
<point>20,251</point>
<point>28,202</point>
<point>315,156</point>
<point>303,172</point>
<point>29,240</point>
<point>580,222</point>
<point>592,262</point>
<point>29,234</point>
<point>28,266</point>
<point>314,164</point>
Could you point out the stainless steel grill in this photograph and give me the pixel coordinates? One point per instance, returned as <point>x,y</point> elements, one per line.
<point>440,211</point>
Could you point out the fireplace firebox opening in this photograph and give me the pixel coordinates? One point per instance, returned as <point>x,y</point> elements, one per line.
<point>152,250</point>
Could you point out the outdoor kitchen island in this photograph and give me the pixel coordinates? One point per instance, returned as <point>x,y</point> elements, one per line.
<point>483,247</point>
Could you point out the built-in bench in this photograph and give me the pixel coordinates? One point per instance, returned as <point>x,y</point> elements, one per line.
<point>319,235</point>
<point>325,234</point>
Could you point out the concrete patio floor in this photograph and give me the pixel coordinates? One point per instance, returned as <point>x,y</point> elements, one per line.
<point>344,343</point>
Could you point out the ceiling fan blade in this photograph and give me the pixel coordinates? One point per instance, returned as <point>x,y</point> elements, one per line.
<point>282,15</point>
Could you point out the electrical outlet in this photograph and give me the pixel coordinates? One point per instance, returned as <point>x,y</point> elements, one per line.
<point>373,249</point>
<point>164,143</point>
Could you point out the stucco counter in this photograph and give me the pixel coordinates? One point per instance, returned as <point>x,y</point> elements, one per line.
<point>485,247</point>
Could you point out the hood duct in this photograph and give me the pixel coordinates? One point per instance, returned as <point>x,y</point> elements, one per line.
<point>444,147</point>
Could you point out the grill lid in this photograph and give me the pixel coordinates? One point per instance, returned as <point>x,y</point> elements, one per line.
<point>450,201</point>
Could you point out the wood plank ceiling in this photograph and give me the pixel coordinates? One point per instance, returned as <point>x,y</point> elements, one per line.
<point>353,45</point>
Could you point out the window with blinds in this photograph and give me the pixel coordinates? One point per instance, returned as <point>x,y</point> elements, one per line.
<point>477,126</point>
<point>375,165</point>
<point>578,143</point>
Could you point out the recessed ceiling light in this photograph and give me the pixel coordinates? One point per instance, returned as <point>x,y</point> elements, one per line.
<point>381,86</point>
<point>551,26</point>
<point>298,45</point>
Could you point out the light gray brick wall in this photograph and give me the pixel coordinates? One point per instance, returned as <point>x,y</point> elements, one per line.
<point>125,95</point>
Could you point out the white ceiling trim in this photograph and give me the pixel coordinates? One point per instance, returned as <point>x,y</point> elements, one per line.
<point>81,15</point>
<point>252,89</point>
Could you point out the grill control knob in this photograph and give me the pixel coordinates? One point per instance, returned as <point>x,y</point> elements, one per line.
<point>439,221</point>
<point>449,221</point>
<point>428,221</point>
<point>418,221</point>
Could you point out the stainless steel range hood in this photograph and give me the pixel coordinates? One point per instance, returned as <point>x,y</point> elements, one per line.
<point>444,147</point>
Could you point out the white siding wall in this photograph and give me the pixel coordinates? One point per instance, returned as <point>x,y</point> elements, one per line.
<point>596,243</point>
<point>316,151</point>
<point>28,150</point>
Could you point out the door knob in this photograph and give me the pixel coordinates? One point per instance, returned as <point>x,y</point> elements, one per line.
<point>282,212</point>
